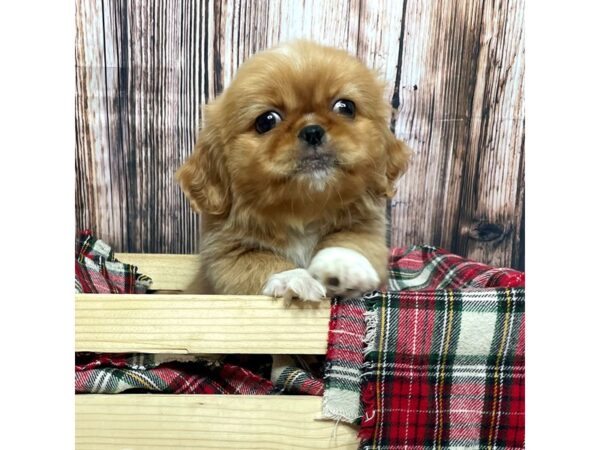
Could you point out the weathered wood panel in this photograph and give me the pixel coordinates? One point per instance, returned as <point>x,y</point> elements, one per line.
<point>459,106</point>
<point>145,72</point>
<point>455,74</point>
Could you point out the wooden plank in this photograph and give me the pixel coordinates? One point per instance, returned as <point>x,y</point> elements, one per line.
<point>206,421</point>
<point>458,101</point>
<point>199,324</point>
<point>379,31</point>
<point>244,27</point>
<point>145,69</point>
<point>492,200</point>
<point>168,272</point>
<point>335,22</point>
<point>94,199</point>
<point>433,97</point>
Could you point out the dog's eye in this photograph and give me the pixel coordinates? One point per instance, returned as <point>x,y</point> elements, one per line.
<point>267,121</point>
<point>344,107</point>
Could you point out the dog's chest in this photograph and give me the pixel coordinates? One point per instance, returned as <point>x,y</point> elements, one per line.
<point>301,246</point>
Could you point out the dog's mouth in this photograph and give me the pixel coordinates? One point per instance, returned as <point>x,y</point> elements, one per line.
<point>314,162</point>
<point>315,168</point>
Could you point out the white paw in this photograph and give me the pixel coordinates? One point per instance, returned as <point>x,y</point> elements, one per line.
<point>345,272</point>
<point>292,284</point>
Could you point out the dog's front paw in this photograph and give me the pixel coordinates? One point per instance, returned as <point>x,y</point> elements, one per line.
<point>294,284</point>
<point>344,271</point>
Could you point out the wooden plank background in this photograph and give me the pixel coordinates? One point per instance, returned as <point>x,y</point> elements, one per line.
<point>455,73</point>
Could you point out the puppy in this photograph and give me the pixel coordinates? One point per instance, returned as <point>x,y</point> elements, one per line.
<point>290,171</point>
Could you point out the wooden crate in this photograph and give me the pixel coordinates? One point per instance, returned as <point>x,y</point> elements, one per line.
<point>170,322</point>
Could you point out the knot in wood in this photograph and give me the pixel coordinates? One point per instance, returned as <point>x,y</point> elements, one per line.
<point>486,231</point>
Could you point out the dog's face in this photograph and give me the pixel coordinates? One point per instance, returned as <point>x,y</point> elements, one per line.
<point>301,128</point>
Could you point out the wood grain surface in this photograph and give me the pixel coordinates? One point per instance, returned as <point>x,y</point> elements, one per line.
<point>455,82</point>
<point>172,273</point>
<point>147,421</point>
<point>166,323</point>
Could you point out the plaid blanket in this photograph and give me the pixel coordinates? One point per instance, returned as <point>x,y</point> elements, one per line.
<point>348,372</point>
<point>170,374</point>
<point>344,360</point>
<point>426,267</point>
<point>107,373</point>
<point>294,374</point>
<point>97,271</point>
<point>444,369</point>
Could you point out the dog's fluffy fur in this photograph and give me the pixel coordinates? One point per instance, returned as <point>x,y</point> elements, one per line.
<point>279,216</point>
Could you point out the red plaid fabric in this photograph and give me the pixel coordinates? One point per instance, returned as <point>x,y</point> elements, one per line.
<point>98,272</point>
<point>426,267</point>
<point>436,271</point>
<point>109,373</point>
<point>294,380</point>
<point>444,369</point>
<point>288,376</point>
<point>170,374</point>
<point>344,360</point>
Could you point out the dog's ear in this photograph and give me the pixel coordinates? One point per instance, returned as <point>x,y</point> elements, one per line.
<point>203,177</point>
<point>398,156</point>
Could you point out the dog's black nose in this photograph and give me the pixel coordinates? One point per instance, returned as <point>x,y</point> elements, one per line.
<point>312,134</point>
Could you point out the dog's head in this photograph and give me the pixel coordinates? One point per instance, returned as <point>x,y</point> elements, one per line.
<point>302,127</point>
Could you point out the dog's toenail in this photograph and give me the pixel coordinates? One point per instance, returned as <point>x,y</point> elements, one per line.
<point>333,281</point>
